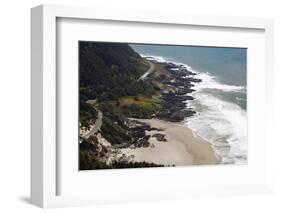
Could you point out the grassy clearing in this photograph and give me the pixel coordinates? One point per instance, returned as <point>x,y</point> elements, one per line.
<point>143,101</point>
<point>137,106</point>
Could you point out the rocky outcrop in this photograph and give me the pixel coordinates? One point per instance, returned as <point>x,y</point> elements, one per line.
<point>160,137</point>
<point>175,95</point>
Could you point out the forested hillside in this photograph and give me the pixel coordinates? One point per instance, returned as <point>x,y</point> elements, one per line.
<point>108,75</point>
<point>110,71</point>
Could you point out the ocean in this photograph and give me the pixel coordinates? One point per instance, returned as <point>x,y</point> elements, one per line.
<point>220,100</point>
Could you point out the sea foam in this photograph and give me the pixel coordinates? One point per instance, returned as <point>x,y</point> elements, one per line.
<point>223,124</point>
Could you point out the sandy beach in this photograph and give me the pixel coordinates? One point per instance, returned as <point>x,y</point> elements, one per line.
<point>181,148</point>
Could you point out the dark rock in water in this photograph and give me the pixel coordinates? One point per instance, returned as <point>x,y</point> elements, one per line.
<point>160,137</point>
<point>180,115</point>
<point>197,80</point>
<point>189,97</point>
<point>170,65</point>
<point>191,73</point>
<point>184,90</point>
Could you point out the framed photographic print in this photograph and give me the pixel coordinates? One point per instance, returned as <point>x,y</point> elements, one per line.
<point>142,105</point>
<point>152,106</point>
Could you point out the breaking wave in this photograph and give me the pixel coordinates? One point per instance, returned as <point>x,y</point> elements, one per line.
<point>220,122</point>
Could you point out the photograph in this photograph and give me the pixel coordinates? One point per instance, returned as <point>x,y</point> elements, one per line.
<point>161,105</point>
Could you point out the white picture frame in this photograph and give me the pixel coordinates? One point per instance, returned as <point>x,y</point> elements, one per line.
<point>44,169</point>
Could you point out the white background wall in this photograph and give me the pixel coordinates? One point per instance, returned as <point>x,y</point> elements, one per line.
<point>15,98</point>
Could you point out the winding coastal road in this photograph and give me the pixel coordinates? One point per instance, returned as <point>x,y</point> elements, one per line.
<point>96,126</point>
<point>148,72</point>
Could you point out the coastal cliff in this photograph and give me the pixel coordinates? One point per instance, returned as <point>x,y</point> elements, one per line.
<point>118,87</point>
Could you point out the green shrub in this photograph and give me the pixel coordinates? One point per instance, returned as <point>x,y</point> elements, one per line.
<point>88,161</point>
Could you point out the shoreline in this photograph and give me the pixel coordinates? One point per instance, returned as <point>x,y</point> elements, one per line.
<point>182,148</point>
<point>180,72</point>
<point>144,125</point>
